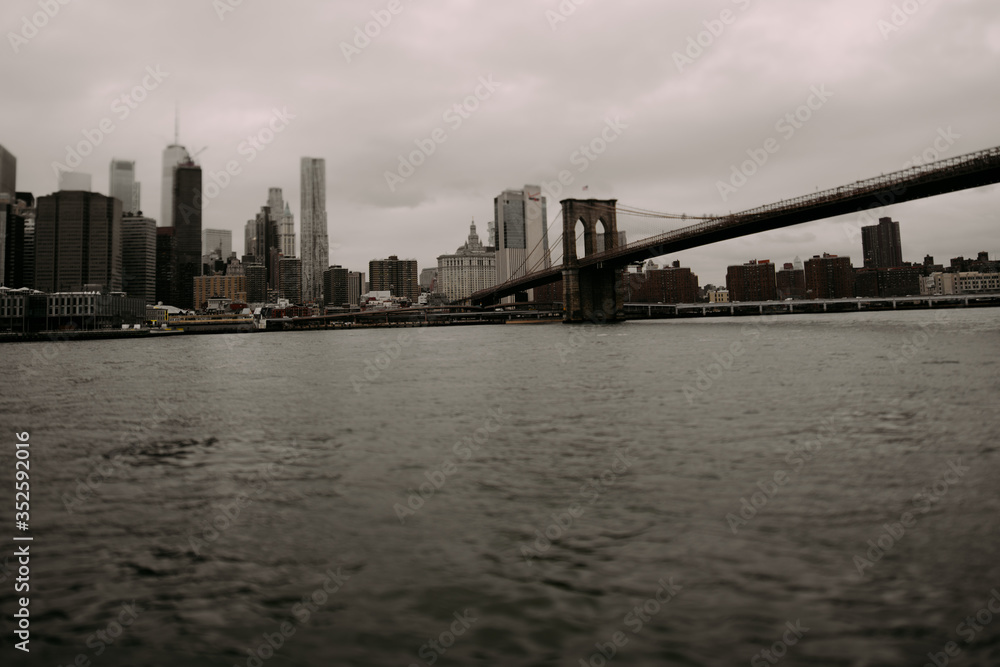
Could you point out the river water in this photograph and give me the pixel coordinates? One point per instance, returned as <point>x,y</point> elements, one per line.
<point>822,488</point>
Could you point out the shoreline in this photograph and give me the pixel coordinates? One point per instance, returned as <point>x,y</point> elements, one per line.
<point>634,312</point>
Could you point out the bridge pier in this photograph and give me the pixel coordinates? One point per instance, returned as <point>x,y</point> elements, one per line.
<point>592,293</point>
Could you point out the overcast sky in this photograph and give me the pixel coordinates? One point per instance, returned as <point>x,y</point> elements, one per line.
<point>892,85</point>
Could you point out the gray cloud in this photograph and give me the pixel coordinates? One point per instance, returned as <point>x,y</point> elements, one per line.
<point>685,129</point>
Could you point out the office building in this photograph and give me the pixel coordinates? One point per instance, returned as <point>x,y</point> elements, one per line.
<point>233,288</point>
<point>263,241</point>
<point>8,173</point>
<point>886,283</point>
<point>187,230</point>
<point>217,243</point>
<point>282,215</point>
<point>256,283</point>
<point>173,155</point>
<point>399,276</point>
<point>315,250</point>
<point>428,279</point>
<point>336,285</point>
<point>290,279</point>
<point>471,268</point>
<point>355,287</point>
<point>791,282</point>
<point>829,277</point>
<point>78,243</point>
<point>12,250</point>
<point>122,186</point>
<point>673,284</point>
<point>520,235</point>
<point>166,251</point>
<point>26,209</point>
<point>753,281</point>
<point>882,247</point>
<point>74,180</point>
<point>139,257</point>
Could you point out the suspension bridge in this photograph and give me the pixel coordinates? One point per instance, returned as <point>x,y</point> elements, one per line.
<point>591,280</point>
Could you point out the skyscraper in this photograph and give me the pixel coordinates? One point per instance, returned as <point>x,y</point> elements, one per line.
<point>78,242</point>
<point>395,275</point>
<point>355,287</point>
<point>173,155</point>
<point>8,173</point>
<point>336,286</point>
<point>256,283</point>
<point>166,252</point>
<point>286,230</point>
<point>217,242</point>
<point>187,230</point>
<point>829,277</point>
<point>122,185</point>
<point>11,245</point>
<point>314,242</point>
<point>521,234</point>
<point>753,281</point>
<point>262,243</point>
<point>882,247</point>
<point>282,215</point>
<point>139,257</point>
<point>290,283</point>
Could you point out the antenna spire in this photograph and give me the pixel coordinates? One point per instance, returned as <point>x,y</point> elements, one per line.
<point>177,125</point>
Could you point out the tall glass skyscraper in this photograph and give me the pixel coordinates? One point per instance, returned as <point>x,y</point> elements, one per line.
<point>122,185</point>
<point>173,155</point>
<point>8,173</point>
<point>78,238</point>
<point>187,231</point>
<point>521,234</point>
<point>286,222</point>
<point>314,243</point>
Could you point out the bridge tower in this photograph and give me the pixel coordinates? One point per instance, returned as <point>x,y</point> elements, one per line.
<point>591,293</point>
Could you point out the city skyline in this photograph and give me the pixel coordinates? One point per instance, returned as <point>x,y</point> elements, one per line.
<point>682,127</point>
